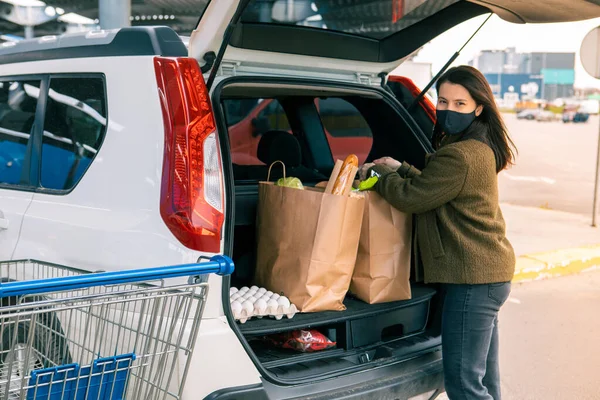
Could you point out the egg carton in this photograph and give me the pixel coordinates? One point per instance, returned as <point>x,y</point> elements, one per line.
<point>259,302</point>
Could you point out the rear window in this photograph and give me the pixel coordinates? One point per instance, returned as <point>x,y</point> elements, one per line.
<point>18,102</point>
<point>247,120</point>
<point>347,130</point>
<point>371,18</point>
<point>74,128</point>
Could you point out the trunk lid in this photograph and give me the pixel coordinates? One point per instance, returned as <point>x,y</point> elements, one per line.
<point>352,39</point>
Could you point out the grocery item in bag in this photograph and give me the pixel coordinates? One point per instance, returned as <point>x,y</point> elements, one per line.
<point>287,181</point>
<point>342,176</point>
<point>346,175</point>
<point>382,268</point>
<point>290,182</point>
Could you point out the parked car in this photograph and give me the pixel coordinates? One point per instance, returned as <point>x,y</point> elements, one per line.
<point>345,133</point>
<point>529,114</point>
<point>123,149</point>
<point>545,116</point>
<point>575,117</point>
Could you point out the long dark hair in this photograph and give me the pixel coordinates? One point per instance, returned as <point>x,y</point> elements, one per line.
<point>490,120</point>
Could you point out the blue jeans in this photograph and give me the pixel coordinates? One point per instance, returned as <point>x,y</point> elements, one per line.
<point>470,340</point>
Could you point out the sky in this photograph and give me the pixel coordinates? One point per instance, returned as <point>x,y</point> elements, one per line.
<point>498,35</point>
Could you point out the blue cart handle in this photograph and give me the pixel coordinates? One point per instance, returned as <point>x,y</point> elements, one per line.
<point>220,265</point>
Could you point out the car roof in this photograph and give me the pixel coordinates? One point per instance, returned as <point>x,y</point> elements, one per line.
<point>135,41</point>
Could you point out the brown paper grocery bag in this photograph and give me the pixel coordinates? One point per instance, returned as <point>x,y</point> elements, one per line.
<point>307,244</point>
<point>382,268</point>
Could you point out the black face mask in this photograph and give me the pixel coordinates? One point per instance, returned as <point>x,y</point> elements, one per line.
<point>453,122</point>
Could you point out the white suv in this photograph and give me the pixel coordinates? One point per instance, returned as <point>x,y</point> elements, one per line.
<point>115,154</point>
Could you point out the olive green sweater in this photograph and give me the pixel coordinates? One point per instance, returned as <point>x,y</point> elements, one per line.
<point>460,231</point>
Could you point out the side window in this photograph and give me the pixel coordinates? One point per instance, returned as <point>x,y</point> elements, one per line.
<point>347,130</point>
<point>18,102</point>
<point>74,127</point>
<point>247,120</point>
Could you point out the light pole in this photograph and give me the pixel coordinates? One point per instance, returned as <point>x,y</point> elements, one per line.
<point>114,14</point>
<point>590,53</point>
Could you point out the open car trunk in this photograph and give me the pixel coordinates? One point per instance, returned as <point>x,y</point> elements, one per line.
<point>330,122</point>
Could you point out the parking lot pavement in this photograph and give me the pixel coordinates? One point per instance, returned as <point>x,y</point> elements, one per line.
<point>548,335</point>
<point>555,166</point>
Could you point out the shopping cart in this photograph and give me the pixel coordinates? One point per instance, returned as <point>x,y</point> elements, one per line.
<point>67,334</point>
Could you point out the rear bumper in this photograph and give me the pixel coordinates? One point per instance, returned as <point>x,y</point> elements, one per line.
<point>399,381</point>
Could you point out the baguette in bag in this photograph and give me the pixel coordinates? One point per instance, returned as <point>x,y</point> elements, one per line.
<point>340,181</point>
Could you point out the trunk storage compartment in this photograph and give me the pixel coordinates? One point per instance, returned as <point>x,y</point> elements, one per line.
<point>395,324</point>
<point>360,327</point>
<point>411,314</point>
<point>346,121</point>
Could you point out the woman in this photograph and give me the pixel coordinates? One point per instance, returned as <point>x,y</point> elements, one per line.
<point>460,230</point>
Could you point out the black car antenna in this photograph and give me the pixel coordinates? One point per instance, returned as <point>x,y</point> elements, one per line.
<point>445,67</point>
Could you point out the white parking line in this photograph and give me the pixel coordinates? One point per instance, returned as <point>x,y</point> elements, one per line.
<point>542,179</point>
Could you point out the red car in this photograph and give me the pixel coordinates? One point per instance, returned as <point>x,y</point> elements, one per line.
<point>347,135</point>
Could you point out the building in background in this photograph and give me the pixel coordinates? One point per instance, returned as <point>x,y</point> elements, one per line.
<point>509,89</point>
<point>558,72</point>
<point>518,75</point>
<point>501,61</point>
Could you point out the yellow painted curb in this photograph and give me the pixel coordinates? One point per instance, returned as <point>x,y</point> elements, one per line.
<point>557,263</point>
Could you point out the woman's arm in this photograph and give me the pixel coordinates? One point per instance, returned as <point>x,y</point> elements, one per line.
<point>408,171</point>
<point>404,169</point>
<point>439,182</point>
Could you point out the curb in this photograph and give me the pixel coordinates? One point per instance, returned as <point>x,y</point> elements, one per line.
<point>557,263</point>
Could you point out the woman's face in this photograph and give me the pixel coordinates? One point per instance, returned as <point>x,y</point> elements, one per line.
<point>453,97</point>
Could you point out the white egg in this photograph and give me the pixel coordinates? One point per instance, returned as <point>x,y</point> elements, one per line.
<point>235,296</point>
<point>291,311</point>
<point>260,306</point>
<point>275,296</point>
<point>233,290</point>
<point>252,299</point>
<point>248,307</point>
<point>236,307</point>
<point>269,293</point>
<point>272,304</point>
<point>254,288</point>
<point>283,301</point>
<point>262,290</point>
<point>244,289</point>
<point>266,298</point>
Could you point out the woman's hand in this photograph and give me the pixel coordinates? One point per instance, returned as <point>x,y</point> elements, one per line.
<point>389,161</point>
<point>362,171</point>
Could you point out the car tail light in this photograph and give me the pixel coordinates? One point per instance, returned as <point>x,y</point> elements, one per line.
<point>191,199</point>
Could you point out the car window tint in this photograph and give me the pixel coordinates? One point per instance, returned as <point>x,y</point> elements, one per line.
<point>247,120</point>
<point>347,130</point>
<point>370,18</point>
<point>74,127</point>
<point>18,102</point>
